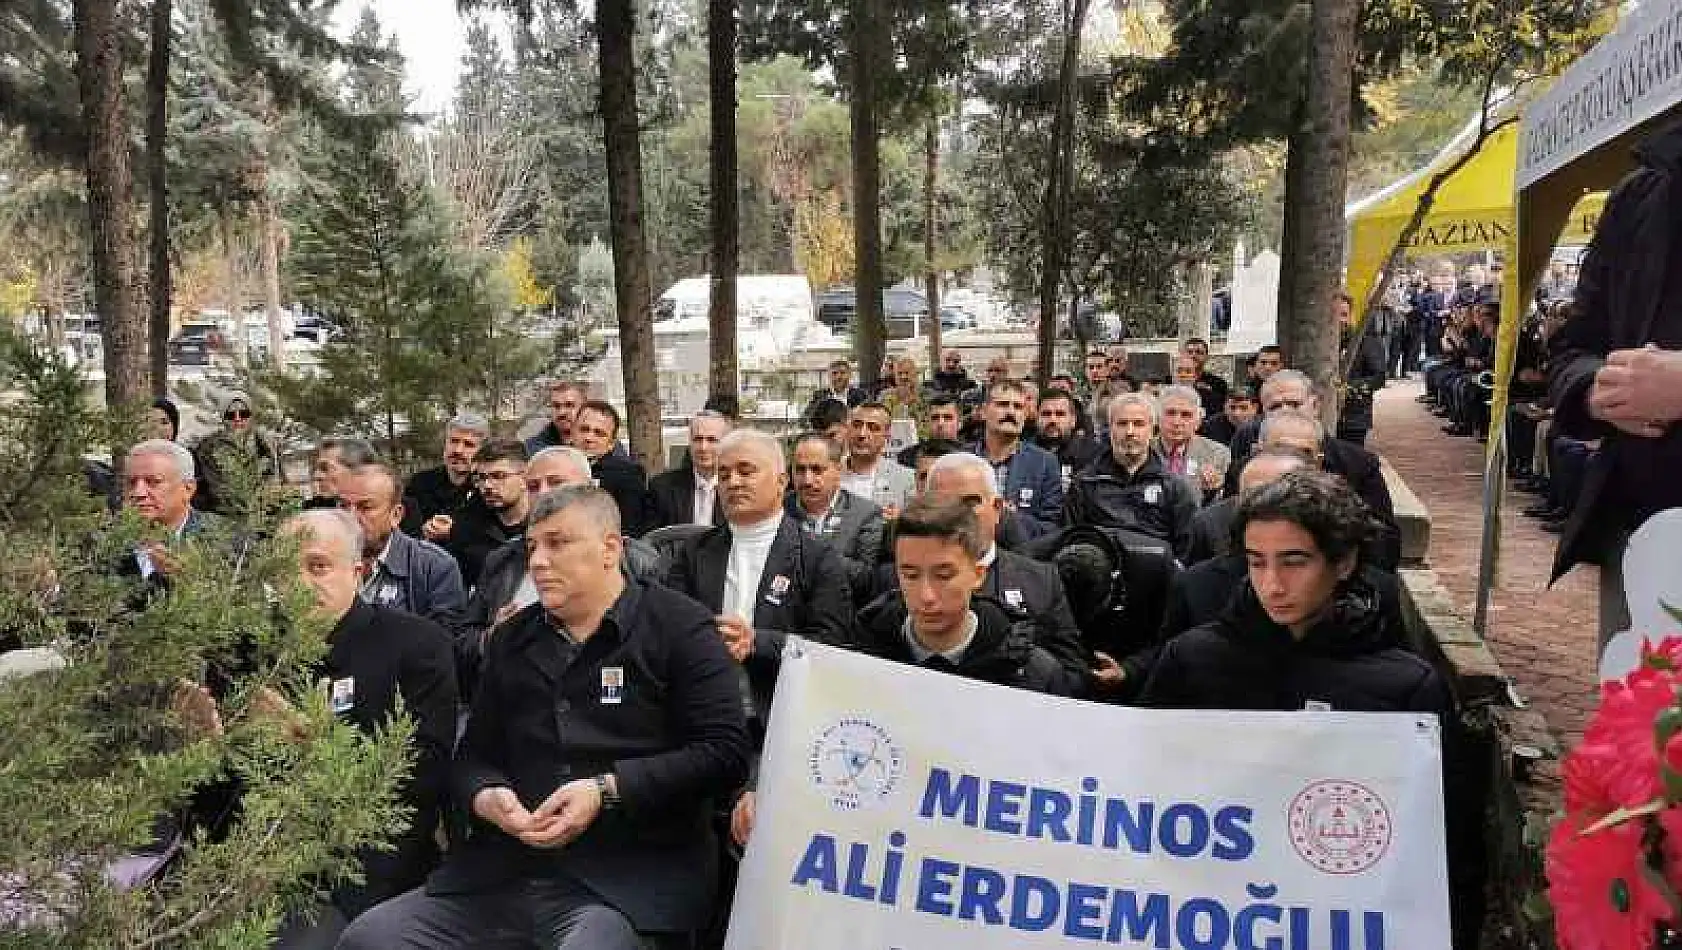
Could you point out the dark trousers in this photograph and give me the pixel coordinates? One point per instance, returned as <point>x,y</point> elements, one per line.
<point>1568,464</point>
<point>534,915</point>
<point>1521,441</point>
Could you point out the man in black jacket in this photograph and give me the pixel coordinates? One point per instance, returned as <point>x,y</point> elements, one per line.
<point>595,432</point>
<point>1210,387</point>
<point>1211,530</point>
<point>1238,408</point>
<point>1059,434</point>
<point>496,513</point>
<point>1292,431</point>
<point>377,659</point>
<point>1615,370</point>
<point>565,398</point>
<point>840,389</point>
<point>1367,371</point>
<point>1129,487</point>
<point>762,578</point>
<point>688,494</point>
<point>432,496</point>
<point>607,720</point>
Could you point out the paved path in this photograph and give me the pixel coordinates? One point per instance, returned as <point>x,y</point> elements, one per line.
<point>1544,638</point>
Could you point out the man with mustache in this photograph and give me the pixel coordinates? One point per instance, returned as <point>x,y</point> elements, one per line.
<point>1130,487</point>
<point>1028,477</point>
<point>432,496</point>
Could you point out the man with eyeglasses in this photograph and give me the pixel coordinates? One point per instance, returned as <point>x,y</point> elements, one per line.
<point>234,463</point>
<point>496,513</point>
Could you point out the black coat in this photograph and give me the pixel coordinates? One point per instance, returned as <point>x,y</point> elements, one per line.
<point>1212,390</point>
<point>1004,651</point>
<point>1366,376</point>
<point>387,656</point>
<point>675,741</point>
<point>1359,469</point>
<point>1150,501</point>
<point>1211,531</point>
<point>1073,454</point>
<point>1218,427</point>
<point>430,492</point>
<point>815,601</point>
<point>1242,660</point>
<point>671,499</point>
<point>625,480</point>
<point>476,533</point>
<point>1200,594</point>
<point>1629,294</point>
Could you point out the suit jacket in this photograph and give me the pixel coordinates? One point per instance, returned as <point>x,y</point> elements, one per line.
<point>1207,453</point>
<point>1033,589</point>
<point>671,499</point>
<point>390,656</point>
<point>895,484</point>
<point>1033,488</point>
<point>625,480</point>
<point>802,592</point>
<point>1211,532</point>
<point>421,578</point>
<point>853,527</point>
<point>652,698</point>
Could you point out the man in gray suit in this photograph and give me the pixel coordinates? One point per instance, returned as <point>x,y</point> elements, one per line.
<point>1200,460</point>
<point>850,524</point>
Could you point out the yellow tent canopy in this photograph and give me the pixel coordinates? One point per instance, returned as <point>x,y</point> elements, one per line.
<point>1474,210</point>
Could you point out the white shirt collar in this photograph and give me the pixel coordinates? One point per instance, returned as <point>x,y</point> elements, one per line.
<point>991,555</point>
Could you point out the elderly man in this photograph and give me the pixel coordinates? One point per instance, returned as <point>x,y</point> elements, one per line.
<point>565,398</point>
<point>158,483</point>
<point>1130,487</point>
<point>848,523</point>
<point>432,496</point>
<point>1023,585</point>
<point>951,379</point>
<point>595,432</point>
<point>868,474</point>
<point>1211,530</point>
<point>1300,431</point>
<point>496,513</point>
<point>1202,460</point>
<point>380,663</point>
<point>403,573</point>
<point>1284,389</point>
<point>688,494</point>
<point>762,577</point>
<point>590,818</point>
<point>1029,477</point>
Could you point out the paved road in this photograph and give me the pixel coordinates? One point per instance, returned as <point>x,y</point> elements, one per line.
<point>1544,637</point>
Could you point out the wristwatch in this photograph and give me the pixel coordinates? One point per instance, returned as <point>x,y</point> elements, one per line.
<point>610,794</point>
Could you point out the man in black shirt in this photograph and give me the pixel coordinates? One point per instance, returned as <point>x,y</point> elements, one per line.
<point>1239,408</point>
<point>1129,487</point>
<point>496,514</point>
<point>1210,387</point>
<point>595,432</point>
<point>607,720</point>
<point>379,661</point>
<point>432,496</point>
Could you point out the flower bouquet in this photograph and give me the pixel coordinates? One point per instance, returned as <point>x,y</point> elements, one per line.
<point>1614,862</point>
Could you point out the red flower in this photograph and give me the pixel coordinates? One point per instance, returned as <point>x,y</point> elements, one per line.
<point>1599,779</point>
<point>1600,898</point>
<point>1620,736</point>
<point>1668,650</point>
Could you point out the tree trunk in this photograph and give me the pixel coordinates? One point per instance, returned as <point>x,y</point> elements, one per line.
<point>1060,169</point>
<point>230,287</point>
<point>616,32</point>
<point>931,277</point>
<point>99,68</point>
<point>1290,253</point>
<point>269,224</point>
<point>1319,267</point>
<point>869,332</point>
<point>726,242</point>
<point>157,174</point>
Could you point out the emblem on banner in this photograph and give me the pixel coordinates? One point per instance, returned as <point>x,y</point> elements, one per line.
<point>1340,827</point>
<point>856,763</point>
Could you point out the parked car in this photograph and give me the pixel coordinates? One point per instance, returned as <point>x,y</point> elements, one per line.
<point>196,344</point>
<point>951,318</point>
<point>902,310</point>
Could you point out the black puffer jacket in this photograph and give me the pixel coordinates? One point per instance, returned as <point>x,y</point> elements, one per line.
<point>1002,653</point>
<point>1243,660</point>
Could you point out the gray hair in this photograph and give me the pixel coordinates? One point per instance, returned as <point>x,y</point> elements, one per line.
<point>174,451</point>
<point>353,453</point>
<point>1182,393</point>
<point>602,510</point>
<point>766,442</point>
<point>326,523</point>
<point>729,423</point>
<point>1283,418</point>
<point>966,462</point>
<point>830,445</point>
<point>469,422</point>
<point>1133,399</point>
<point>566,453</point>
<point>1284,376</point>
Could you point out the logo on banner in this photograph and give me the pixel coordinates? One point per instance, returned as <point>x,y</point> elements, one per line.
<point>856,763</point>
<point>1340,827</point>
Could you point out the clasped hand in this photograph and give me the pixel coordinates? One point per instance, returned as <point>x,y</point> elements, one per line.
<point>562,817</point>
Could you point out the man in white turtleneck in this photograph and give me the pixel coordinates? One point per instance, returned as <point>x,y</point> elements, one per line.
<point>752,477</point>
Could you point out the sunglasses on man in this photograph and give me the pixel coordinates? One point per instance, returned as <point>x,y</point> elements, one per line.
<point>233,414</point>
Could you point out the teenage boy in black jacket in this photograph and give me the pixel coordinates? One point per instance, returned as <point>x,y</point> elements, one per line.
<point>607,719</point>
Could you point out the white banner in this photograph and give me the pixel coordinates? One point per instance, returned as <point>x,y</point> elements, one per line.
<point>1632,75</point>
<point>906,810</point>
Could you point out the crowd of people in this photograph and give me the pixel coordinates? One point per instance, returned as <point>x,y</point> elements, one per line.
<point>611,642</point>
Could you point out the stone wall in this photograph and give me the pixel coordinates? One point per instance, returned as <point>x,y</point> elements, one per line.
<point>1512,761</point>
